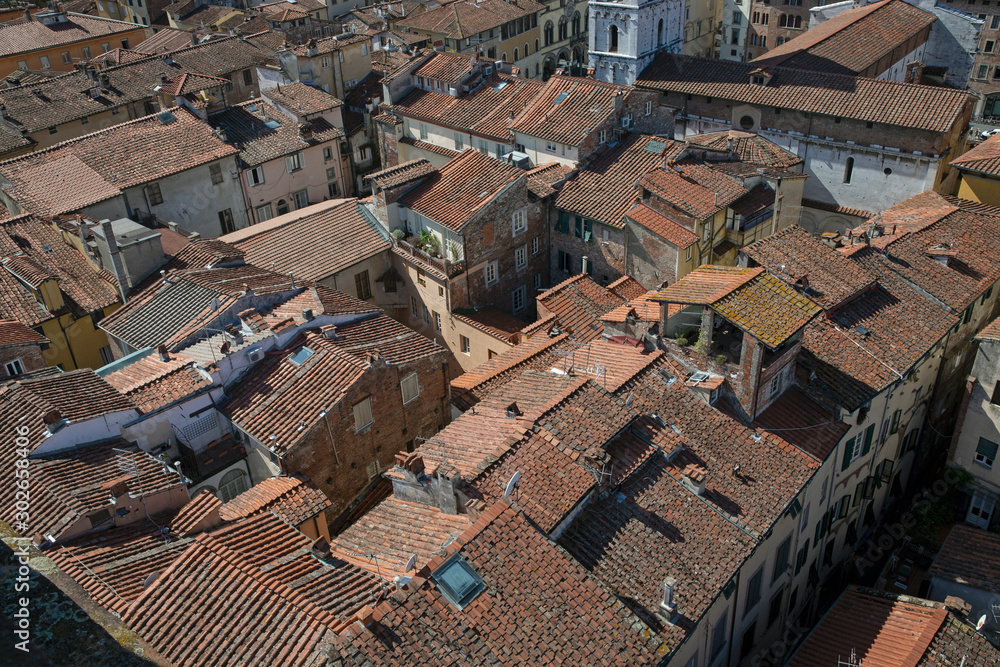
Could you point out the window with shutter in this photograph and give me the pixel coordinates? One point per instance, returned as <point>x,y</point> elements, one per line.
<point>869,435</point>
<point>410,388</point>
<point>986,452</point>
<point>362,285</point>
<point>848,453</point>
<point>781,559</point>
<point>363,415</point>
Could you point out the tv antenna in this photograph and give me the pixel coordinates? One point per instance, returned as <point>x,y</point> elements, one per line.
<point>513,485</point>
<point>981,623</point>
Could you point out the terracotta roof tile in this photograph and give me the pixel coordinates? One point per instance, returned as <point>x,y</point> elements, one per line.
<point>955,642</point>
<point>428,146</point>
<point>642,308</point>
<point>801,259</point>
<point>693,187</point>
<point>541,179</point>
<point>402,173</point>
<point>568,109</point>
<point>460,188</point>
<point>606,188</point>
<point>13,332</point>
<point>41,179</point>
<point>852,41</point>
<point>969,556</point>
<point>153,384</point>
<point>749,147</point>
<point>878,628</point>
<point>201,513</point>
<point>484,111</point>
<point>294,499</point>
<point>981,159</point>
<point>394,530</point>
<point>526,609</point>
<point>493,321</point>
<point>797,418</point>
<point>459,20</point>
<point>926,108</point>
<point>578,303</point>
<point>991,331</point>
<point>34,34</point>
<point>315,242</point>
<point>661,225</point>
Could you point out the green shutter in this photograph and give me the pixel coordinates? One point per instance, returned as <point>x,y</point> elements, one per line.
<point>848,450</point>
<point>987,448</point>
<point>869,433</point>
<point>819,530</point>
<point>562,225</point>
<point>858,493</point>
<point>845,507</point>
<point>895,421</point>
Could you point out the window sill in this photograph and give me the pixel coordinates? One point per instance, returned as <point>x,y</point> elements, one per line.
<point>365,427</point>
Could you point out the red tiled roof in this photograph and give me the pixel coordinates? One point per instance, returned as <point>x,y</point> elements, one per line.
<point>200,513</point>
<point>394,530</point>
<point>971,557</point>
<point>606,189</point>
<point>835,208</point>
<point>527,612</point>
<point>981,159</point>
<point>542,178</point>
<point>749,147</point>
<point>495,322</point>
<point>801,259</point>
<point>153,384</point>
<point>693,187</point>
<point>314,242</point>
<point>428,146</point>
<point>804,423</point>
<point>927,108</point>
<point>484,111</point>
<point>459,20</point>
<point>13,332</point>
<point>852,41</point>
<point>707,284</point>
<point>643,308</point>
<point>299,97</point>
<point>396,342</point>
<point>661,225</point>
<point>991,331</point>
<point>879,629</point>
<point>295,499</point>
<point>583,106</point>
<point>33,35</point>
<point>401,173</point>
<point>99,165</point>
<point>459,189</point>
<point>264,133</point>
<point>191,83</point>
<point>627,287</point>
<point>578,303</point>
<point>450,67</point>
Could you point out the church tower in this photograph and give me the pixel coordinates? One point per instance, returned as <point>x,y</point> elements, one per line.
<point>625,36</point>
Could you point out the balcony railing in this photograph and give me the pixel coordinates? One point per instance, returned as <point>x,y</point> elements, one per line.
<point>447,268</point>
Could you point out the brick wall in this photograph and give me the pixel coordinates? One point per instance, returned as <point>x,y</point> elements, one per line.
<point>394,426</point>
<point>651,260</point>
<point>29,354</point>
<point>607,260</point>
<point>489,238</point>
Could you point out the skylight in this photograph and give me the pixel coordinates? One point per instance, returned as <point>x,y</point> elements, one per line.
<point>458,582</point>
<point>655,147</point>
<point>251,107</point>
<point>300,357</point>
<point>500,86</point>
<point>560,97</point>
<point>272,124</point>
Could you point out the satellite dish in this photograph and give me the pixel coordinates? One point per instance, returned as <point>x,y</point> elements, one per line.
<point>412,563</point>
<point>148,581</point>
<point>512,484</point>
<point>981,623</point>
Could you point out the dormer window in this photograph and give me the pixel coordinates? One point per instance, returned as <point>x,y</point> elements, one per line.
<point>757,80</point>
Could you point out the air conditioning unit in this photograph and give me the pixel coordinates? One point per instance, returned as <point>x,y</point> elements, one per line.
<point>255,355</point>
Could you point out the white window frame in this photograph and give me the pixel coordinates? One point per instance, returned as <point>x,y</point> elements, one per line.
<point>302,194</point>
<point>14,367</point>
<point>437,322</point>
<point>46,64</point>
<point>520,294</point>
<point>490,274</point>
<point>363,411</point>
<point>409,387</point>
<point>255,176</point>
<point>649,108</point>
<point>293,162</point>
<point>521,256</point>
<point>264,212</point>
<point>414,308</point>
<point>550,146</point>
<point>466,344</point>
<point>534,246</point>
<point>519,222</point>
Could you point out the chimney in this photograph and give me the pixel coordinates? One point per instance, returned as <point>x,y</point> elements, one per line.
<point>330,330</point>
<point>235,333</point>
<point>194,39</point>
<point>668,604</point>
<point>729,144</point>
<point>221,134</point>
<point>163,78</point>
<point>27,15</point>
<point>164,354</point>
<point>305,132</point>
<point>307,314</point>
<point>586,264</point>
<point>53,421</point>
<point>694,478</point>
<point>118,268</point>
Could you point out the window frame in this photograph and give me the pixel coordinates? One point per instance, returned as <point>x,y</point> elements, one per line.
<point>358,426</point>
<point>415,391</point>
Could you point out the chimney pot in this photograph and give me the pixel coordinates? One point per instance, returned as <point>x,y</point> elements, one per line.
<point>164,354</point>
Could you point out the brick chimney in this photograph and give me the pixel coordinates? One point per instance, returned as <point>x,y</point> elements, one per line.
<point>914,72</point>
<point>53,421</point>
<point>411,482</point>
<point>164,354</point>
<point>305,131</point>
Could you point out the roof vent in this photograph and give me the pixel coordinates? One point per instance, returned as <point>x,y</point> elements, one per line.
<point>53,421</point>
<point>700,376</point>
<point>513,411</point>
<point>330,330</point>
<point>668,604</point>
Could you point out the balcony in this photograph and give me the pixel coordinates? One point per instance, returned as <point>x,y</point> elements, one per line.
<point>442,266</point>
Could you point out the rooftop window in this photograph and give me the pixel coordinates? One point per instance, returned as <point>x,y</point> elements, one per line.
<point>272,124</point>
<point>300,357</point>
<point>560,97</point>
<point>458,582</point>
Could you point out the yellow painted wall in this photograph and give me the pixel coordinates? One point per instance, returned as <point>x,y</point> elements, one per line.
<point>977,188</point>
<point>33,59</point>
<point>75,343</point>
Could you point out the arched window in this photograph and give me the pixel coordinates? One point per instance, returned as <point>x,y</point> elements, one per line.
<point>848,170</point>
<point>576,23</point>
<point>526,51</point>
<point>659,33</point>
<point>282,207</point>
<point>536,45</point>
<point>548,32</point>
<point>503,56</point>
<point>563,28</point>
<point>782,21</point>
<point>515,56</point>
<point>538,69</point>
<point>798,21</point>
<point>613,39</point>
<point>233,484</point>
